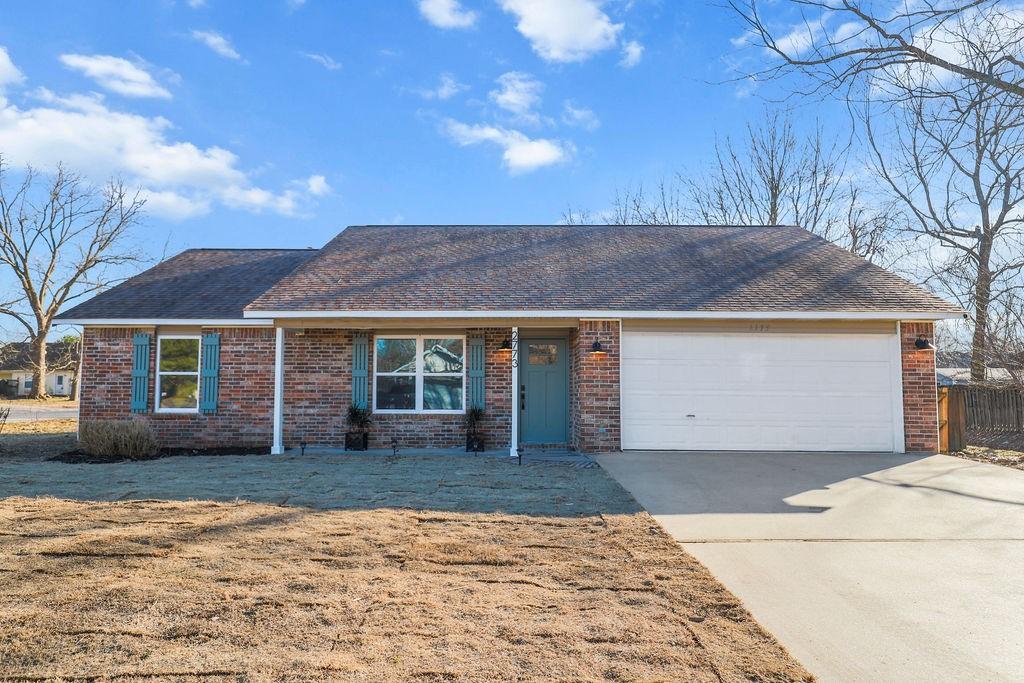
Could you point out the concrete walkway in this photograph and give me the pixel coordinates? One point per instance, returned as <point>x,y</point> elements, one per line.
<point>866,566</point>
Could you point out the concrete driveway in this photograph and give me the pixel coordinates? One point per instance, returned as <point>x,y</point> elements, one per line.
<point>866,566</point>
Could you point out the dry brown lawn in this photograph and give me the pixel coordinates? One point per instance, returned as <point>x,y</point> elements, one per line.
<point>59,401</point>
<point>38,439</point>
<point>249,591</point>
<point>993,456</point>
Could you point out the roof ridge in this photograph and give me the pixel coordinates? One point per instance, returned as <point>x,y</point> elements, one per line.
<point>566,225</point>
<point>251,249</point>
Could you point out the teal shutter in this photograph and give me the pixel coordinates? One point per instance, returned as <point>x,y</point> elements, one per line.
<point>475,372</point>
<point>360,370</point>
<point>140,372</point>
<point>210,376</point>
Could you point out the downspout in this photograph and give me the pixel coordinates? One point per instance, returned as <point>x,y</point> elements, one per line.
<point>278,445</point>
<point>513,449</point>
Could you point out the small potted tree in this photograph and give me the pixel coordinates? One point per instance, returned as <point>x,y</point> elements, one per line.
<point>474,439</point>
<point>359,421</point>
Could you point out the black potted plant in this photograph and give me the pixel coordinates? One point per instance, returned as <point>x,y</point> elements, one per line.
<point>359,421</point>
<point>474,439</point>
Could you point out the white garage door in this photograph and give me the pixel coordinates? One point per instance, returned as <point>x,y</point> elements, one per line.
<point>736,391</point>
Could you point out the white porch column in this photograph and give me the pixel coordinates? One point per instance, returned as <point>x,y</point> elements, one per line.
<point>513,449</point>
<point>278,446</point>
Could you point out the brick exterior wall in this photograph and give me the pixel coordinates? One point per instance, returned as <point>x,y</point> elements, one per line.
<point>318,376</point>
<point>317,387</point>
<point>449,431</point>
<point>594,388</point>
<point>318,391</point>
<point>920,400</point>
<point>246,389</point>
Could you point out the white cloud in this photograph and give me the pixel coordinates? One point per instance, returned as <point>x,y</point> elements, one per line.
<point>801,37</point>
<point>217,43</point>
<point>317,185</point>
<point>296,4</point>
<point>323,60</point>
<point>9,74</point>
<point>447,14</point>
<point>518,93</point>
<point>195,4</point>
<point>520,154</point>
<point>180,179</point>
<point>564,30</point>
<point>579,116</point>
<point>447,88</point>
<point>632,53</point>
<point>174,206</point>
<point>117,75</point>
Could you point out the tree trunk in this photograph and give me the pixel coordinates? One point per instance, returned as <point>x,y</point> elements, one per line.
<point>982,299</point>
<point>39,371</point>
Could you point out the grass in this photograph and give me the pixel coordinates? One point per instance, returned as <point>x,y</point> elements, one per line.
<point>38,439</point>
<point>194,590</point>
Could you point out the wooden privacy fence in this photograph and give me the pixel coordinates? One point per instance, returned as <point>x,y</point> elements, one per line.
<point>980,416</point>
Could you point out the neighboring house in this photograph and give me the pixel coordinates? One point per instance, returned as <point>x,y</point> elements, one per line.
<point>954,369</point>
<point>16,368</point>
<point>596,337</point>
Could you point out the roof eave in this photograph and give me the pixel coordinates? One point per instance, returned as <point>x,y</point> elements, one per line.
<point>643,315</point>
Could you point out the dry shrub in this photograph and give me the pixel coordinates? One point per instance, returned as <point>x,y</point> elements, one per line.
<point>117,439</point>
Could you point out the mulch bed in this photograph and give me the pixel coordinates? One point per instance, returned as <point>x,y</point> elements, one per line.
<point>78,456</point>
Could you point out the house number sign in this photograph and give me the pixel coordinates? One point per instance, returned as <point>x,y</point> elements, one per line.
<point>515,348</point>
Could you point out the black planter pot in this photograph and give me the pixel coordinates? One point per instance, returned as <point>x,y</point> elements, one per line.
<point>474,443</point>
<point>356,441</point>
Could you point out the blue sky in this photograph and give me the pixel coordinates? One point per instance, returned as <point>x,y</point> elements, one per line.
<point>278,123</point>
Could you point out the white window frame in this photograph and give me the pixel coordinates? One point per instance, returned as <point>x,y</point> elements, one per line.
<point>198,373</point>
<point>419,409</point>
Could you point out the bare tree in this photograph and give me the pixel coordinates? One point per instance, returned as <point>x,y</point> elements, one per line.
<point>772,177</point>
<point>838,42</point>
<point>957,165</point>
<point>60,240</point>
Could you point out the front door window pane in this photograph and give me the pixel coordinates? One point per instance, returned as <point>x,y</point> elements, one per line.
<point>543,354</point>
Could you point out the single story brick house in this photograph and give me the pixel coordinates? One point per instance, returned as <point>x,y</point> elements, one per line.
<point>598,338</point>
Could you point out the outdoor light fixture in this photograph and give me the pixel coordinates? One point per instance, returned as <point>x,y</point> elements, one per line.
<point>506,345</point>
<point>596,347</point>
<point>923,343</point>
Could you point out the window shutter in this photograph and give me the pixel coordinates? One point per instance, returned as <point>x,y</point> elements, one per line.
<point>360,370</point>
<point>475,372</point>
<point>210,375</point>
<point>140,372</point>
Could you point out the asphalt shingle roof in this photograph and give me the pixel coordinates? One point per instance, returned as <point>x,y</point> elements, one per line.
<point>198,283</point>
<point>612,268</point>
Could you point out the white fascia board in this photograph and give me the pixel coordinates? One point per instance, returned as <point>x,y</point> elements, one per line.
<point>151,322</point>
<point>627,315</point>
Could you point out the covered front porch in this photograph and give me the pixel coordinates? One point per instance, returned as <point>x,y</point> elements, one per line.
<point>543,385</point>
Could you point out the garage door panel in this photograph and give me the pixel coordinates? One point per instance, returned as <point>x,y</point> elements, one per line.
<point>757,391</point>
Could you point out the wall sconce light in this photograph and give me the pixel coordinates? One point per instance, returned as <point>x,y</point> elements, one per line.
<point>922,343</point>
<point>506,345</point>
<point>596,348</point>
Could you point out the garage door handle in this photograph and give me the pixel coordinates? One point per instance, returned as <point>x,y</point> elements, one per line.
<point>691,416</point>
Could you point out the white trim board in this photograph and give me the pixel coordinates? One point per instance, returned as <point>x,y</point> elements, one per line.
<point>627,315</point>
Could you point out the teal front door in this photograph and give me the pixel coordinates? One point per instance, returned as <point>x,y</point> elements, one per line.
<point>543,391</point>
